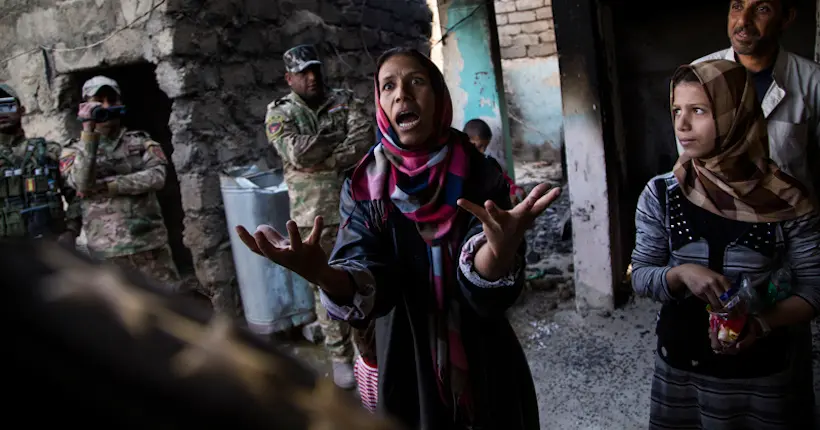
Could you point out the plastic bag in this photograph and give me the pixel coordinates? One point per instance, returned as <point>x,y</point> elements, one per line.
<point>738,303</point>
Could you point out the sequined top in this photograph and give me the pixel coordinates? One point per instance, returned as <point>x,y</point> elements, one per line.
<point>670,231</point>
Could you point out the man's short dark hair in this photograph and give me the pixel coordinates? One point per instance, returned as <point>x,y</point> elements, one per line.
<point>477,127</point>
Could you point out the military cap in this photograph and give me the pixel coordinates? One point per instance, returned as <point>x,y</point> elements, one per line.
<point>92,86</point>
<point>300,58</point>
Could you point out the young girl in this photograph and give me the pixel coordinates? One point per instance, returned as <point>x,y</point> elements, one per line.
<point>725,210</point>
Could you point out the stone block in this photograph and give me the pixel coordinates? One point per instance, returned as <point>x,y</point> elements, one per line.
<point>301,21</point>
<point>525,40</point>
<point>309,5</point>
<point>204,231</point>
<point>330,13</point>
<point>541,50</point>
<point>269,71</point>
<point>238,147</point>
<point>265,10</point>
<point>215,269</point>
<point>163,43</point>
<point>313,35</point>
<point>252,40</point>
<point>200,191</point>
<point>505,41</point>
<point>174,79</point>
<point>547,36</point>
<point>522,5</point>
<point>377,18</point>
<point>509,29</point>
<point>514,52</point>
<point>237,75</point>
<point>59,127</point>
<point>188,154</point>
<point>501,19</point>
<point>521,17</point>
<point>536,27</point>
<point>504,7</point>
<point>544,13</point>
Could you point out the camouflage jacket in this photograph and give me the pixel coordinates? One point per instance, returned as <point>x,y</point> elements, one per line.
<point>30,178</point>
<point>117,180</point>
<point>316,148</point>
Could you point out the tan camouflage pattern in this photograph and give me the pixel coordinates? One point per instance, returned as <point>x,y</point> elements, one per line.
<point>117,180</point>
<point>327,141</point>
<point>156,263</point>
<point>13,148</point>
<point>205,357</point>
<point>739,181</point>
<point>337,333</point>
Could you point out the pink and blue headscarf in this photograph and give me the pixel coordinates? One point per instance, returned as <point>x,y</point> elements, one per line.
<point>424,184</point>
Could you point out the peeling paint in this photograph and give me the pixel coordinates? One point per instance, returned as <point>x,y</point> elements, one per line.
<point>533,88</point>
<point>471,76</point>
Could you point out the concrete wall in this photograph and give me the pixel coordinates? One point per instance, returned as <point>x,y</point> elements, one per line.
<point>532,83</point>
<point>219,61</point>
<point>533,90</point>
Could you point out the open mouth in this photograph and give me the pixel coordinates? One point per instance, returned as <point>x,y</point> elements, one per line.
<point>406,120</point>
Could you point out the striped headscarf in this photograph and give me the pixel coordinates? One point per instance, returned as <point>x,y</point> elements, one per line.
<point>738,180</point>
<point>424,185</point>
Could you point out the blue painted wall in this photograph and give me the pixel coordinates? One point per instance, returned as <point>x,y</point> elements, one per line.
<point>533,94</point>
<point>471,75</point>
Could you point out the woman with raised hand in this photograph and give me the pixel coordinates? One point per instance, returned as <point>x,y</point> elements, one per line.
<point>431,248</point>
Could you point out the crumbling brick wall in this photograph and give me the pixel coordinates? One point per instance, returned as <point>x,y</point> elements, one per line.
<point>525,28</point>
<point>220,63</point>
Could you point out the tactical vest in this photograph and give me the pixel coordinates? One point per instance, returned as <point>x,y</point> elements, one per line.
<point>30,199</point>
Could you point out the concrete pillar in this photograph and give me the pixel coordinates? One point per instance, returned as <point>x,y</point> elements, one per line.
<point>471,61</point>
<point>817,39</point>
<point>591,193</point>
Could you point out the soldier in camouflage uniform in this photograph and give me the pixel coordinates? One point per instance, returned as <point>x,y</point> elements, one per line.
<point>116,173</point>
<point>319,133</point>
<point>31,189</point>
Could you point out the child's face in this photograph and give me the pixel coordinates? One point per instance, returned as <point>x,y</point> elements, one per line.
<point>479,143</point>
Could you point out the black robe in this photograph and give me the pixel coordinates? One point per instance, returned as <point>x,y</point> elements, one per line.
<point>395,254</point>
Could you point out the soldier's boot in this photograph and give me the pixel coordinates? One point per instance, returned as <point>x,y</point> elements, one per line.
<point>343,375</point>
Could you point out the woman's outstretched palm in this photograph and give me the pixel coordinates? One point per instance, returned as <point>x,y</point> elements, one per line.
<point>506,229</point>
<point>306,258</point>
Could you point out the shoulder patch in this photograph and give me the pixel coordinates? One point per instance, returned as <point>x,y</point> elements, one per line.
<point>66,161</point>
<point>273,124</point>
<point>156,150</point>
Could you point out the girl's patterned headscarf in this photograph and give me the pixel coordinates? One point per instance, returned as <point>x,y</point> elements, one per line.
<point>738,180</point>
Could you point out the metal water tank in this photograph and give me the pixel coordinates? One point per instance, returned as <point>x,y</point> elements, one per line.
<point>274,298</point>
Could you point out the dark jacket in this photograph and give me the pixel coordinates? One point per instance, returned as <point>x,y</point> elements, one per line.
<point>393,251</point>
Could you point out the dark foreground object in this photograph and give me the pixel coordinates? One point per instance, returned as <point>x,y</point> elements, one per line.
<point>89,345</point>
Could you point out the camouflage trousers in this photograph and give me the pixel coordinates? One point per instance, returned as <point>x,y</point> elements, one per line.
<point>157,264</point>
<point>337,333</point>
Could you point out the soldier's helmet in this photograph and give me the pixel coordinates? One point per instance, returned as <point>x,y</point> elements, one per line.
<point>92,86</point>
<point>300,58</point>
